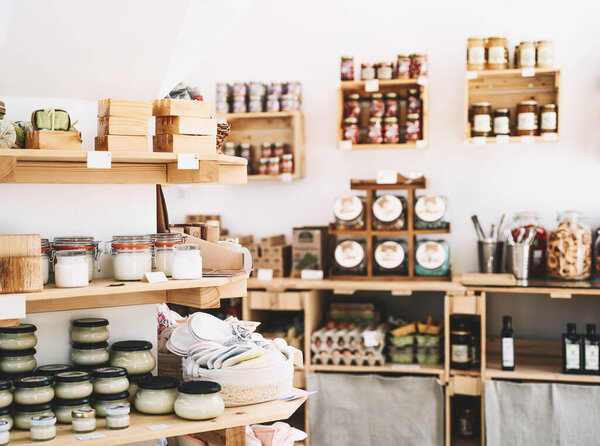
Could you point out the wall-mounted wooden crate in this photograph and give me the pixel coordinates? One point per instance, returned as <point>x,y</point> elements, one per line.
<point>255,128</point>
<point>400,86</point>
<point>505,89</point>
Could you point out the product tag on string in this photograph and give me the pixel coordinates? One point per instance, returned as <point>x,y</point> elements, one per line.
<point>527,139</point>
<point>387,177</point>
<point>264,274</point>
<point>311,274</point>
<point>422,80</point>
<point>98,160</point>
<point>549,137</point>
<point>471,75</point>
<point>502,139</point>
<point>155,277</point>
<point>286,177</point>
<point>420,143</point>
<point>479,140</point>
<point>527,72</point>
<point>13,306</point>
<point>370,338</point>
<point>345,145</point>
<point>90,436</point>
<point>371,85</point>
<point>188,161</point>
<point>158,427</point>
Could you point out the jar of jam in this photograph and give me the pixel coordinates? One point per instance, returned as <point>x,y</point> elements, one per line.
<point>351,130</point>
<point>276,89</point>
<point>475,54</point>
<point>239,89</point>
<point>375,133</point>
<point>523,222</point>
<point>349,212</point>
<point>352,106</point>
<point>390,258</point>
<point>461,335</point>
<point>274,167</point>
<point>367,71</point>
<point>239,104</point>
<point>413,103</point>
<point>377,106</point>
<point>497,53</point>
<point>502,121</point>
<point>272,103</point>
<point>347,68</point>
<point>245,151</point>
<point>525,55</point>
<point>287,163</point>
<point>263,166</point>
<point>255,104</point>
<point>389,212</point>
<point>279,149</point>
<point>349,257</point>
<point>527,117</point>
<point>266,150</point>
<point>413,127</point>
<point>385,70</point>
<point>391,105</point>
<point>229,149</point>
<point>548,118</point>
<point>481,119</point>
<point>391,134</point>
<point>545,54</point>
<point>403,66</point>
<point>418,65</point>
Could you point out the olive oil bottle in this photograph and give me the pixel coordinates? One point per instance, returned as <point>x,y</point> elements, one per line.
<point>572,350</point>
<point>591,351</point>
<point>508,344</point>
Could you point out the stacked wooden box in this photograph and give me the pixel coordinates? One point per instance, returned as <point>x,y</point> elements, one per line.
<point>21,269</point>
<point>184,126</point>
<point>123,125</point>
<point>272,253</point>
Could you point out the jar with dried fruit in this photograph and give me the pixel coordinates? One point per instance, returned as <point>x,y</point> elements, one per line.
<point>403,66</point>
<point>375,133</point>
<point>391,105</point>
<point>347,68</point>
<point>569,254</point>
<point>377,106</point>
<point>413,103</point>
<point>350,130</point>
<point>418,65</point>
<point>391,133</point>
<point>522,223</point>
<point>413,127</point>
<point>352,106</point>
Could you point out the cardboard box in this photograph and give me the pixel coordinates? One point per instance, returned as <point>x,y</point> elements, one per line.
<point>197,230</point>
<point>309,249</point>
<point>254,251</point>
<point>279,261</point>
<point>244,240</point>
<point>274,240</point>
<point>276,251</point>
<point>197,218</point>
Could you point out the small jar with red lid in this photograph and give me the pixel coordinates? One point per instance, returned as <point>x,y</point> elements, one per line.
<point>352,106</point>
<point>350,130</point>
<point>391,105</point>
<point>375,132</point>
<point>77,243</point>
<point>274,166</point>
<point>132,256</point>
<point>391,134</point>
<point>377,106</point>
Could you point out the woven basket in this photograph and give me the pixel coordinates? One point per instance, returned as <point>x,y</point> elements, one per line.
<point>170,365</point>
<point>222,133</point>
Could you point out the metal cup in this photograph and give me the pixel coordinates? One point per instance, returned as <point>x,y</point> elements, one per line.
<point>490,256</point>
<point>519,258</point>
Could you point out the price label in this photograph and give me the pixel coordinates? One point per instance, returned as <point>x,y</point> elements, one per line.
<point>188,161</point>
<point>158,427</point>
<point>479,140</point>
<point>311,274</point>
<point>422,80</point>
<point>370,338</point>
<point>502,139</point>
<point>420,144</point>
<point>90,436</point>
<point>406,367</point>
<point>264,274</point>
<point>549,137</point>
<point>471,75</point>
<point>345,145</point>
<point>286,177</point>
<point>156,277</point>
<point>371,85</point>
<point>98,160</point>
<point>527,72</point>
<point>527,139</point>
<point>387,177</point>
<point>13,306</point>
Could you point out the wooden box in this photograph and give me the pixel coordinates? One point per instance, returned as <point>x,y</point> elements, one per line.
<point>121,143</point>
<point>123,125</point>
<point>181,107</point>
<point>53,140</point>
<point>288,301</point>
<point>124,107</point>
<point>185,125</point>
<point>204,145</point>
<point>21,264</point>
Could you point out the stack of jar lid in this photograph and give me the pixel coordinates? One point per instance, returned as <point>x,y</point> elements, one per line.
<point>273,158</point>
<point>256,97</point>
<point>530,119</point>
<point>407,66</point>
<point>492,54</point>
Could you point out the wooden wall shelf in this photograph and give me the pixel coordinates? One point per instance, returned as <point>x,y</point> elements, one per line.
<point>402,369</point>
<point>70,167</point>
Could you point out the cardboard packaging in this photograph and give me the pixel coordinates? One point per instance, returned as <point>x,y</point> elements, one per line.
<point>274,240</point>
<point>309,249</point>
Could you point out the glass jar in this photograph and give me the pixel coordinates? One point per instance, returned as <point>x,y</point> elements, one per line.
<point>526,55</point>
<point>391,132</point>
<point>256,89</point>
<point>348,211</point>
<point>43,428</point>
<point>497,50</point>
<point>117,416</point>
<point>403,66</point>
<point>156,395</point>
<point>83,420</point>
<point>548,119</point>
<point>522,223</point>
<point>545,54</point>
<point>23,413</point>
<point>279,149</point>
<point>52,369</point>
<point>460,347</point>
<point>222,89</point>
<point>6,396</point>
<point>350,258</point>
<point>246,151</point>
<point>431,212</point>
<point>375,131</point>
<point>133,384</point>
<point>71,269</point>
<point>255,104</point>
<point>239,104</point>
<point>222,105</point>
<point>272,103</point>
<point>4,432</point>
<point>569,254</point>
<point>527,114</point>
<point>475,54</point>
<point>199,400</point>
<point>109,380</point>
<point>239,89</point>
<point>481,119</point>
<point>418,65</point>
<point>63,409</point>
<point>432,258</point>
<point>290,102</point>
<point>73,385</point>
<point>17,361</point>
<point>89,355</point>
<point>134,356</point>
<point>102,401</point>
<point>90,330</point>
<point>18,337</point>
<point>287,163</point>
<point>502,121</point>
<point>388,212</point>
<point>46,259</point>
<point>263,166</point>
<point>132,256</point>
<point>5,415</point>
<point>377,106</point>
<point>266,150</point>
<point>352,106</point>
<point>31,390</point>
<point>76,243</point>
<point>164,244</point>
<point>413,127</point>
<point>367,71</point>
<point>385,70</point>
<point>391,105</point>
<point>350,130</point>
<point>187,262</point>
<point>276,88</point>
<point>274,167</point>
<point>413,104</point>
<point>229,149</point>
<point>347,68</point>
<point>390,258</point>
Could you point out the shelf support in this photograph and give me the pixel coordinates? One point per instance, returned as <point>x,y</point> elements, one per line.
<point>8,167</point>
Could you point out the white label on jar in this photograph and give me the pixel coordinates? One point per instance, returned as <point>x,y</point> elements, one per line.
<point>371,85</point>
<point>526,121</point>
<point>347,208</point>
<point>501,125</point>
<point>496,55</point>
<point>548,120</point>
<point>430,209</point>
<point>387,208</point>
<point>545,55</point>
<point>188,161</point>
<point>508,352</point>
<point>591,357</point>
<point>91,436</point>
<point>477,55</point>
<point>482,123</point>
<point>460,353</point>
<point>389,255</point>
<point>431,255</point>
<point>527,57</point>
<point>573,358</point>
<point>349,254</point>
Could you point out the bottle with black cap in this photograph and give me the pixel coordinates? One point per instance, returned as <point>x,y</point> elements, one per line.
<point>591,351</point>
<point>508,344</point>
<point>572,349</point>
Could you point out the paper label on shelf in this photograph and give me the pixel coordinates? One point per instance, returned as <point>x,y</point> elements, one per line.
<point>508,352</point>
<point>371,85</point>
<point>549,136</point>
<point>155,277</point>
<point>311,274</point>
<point>13,306</point>
<point>422,80</point>
<point>286,177</point>
<point>420,143</point>
<point>479,140</point>
<point>370,338</point>
<point>502,139</point>
<point>345,145</point>
<point>91,436</point>
<point>387,177</point>
<point>407,367</point>
<point>527,139</point>
<point>158,427</point>
<point>527,72</point>
<point>264,274</point>
<point>188,161</point>
<point>471,74</point>
<point>98,160</point>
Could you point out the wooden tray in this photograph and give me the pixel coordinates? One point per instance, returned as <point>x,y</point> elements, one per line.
<point>53,140</point>
<point>121,143</point>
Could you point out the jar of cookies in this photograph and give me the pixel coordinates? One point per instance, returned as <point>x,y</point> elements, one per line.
<point>569,253</point>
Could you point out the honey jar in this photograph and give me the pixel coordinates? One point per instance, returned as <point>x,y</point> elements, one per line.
<point>475,54</point>
<point>497,52</point>
<point>481,119</point>
<point>527,118</point>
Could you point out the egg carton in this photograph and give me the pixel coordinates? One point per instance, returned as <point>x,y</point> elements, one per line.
<point>360,338</point>
<point>348,358</point>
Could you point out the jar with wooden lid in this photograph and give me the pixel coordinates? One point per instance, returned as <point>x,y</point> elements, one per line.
<point>377,106</point>
<point>349,211</point>
<point>385,70</point>
<point>403,66</point>
<point>391,133</point>
<point>545,54</point>
<point>497,51</point>
<point>375,131</point>
<point>527,117</point>
<point>389,212</point>
<point>475,54</point>
<point>367,71</point>
<point>481,119</point>
<point>502,121</point>
<point>266,150</point>
<point>548,118</point>
<point>390,258</point>
<point>352,106</point>
<point>350,258</point>
<point>418,65</point>
<point>526,55</point>
<point>347,68</point>
<point>350,130</point>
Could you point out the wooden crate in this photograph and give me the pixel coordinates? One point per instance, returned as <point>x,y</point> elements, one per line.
<point>124,107</point>
<point>205,145</point>
<point>285,301</point>
<point>181,107</point>
<point>53,140</point>
<point>123,125</point>
<point>21,264</point>
<point>185,125</point>
<point>121,143</point>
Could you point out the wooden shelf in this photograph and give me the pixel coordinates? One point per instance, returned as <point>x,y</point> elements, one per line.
<point>358,85</point>
<point>406,145</point>
<point>141,425</point>
<point>510,72</point>
<point>513,139</point>
<point>384,233</point>
<point>70,167</point>
<point>407,369</point>
<point>294,176</point>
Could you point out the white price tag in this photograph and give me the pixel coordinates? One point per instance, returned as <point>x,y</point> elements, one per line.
<point>527,139</point>
<point>527,72</point>
<point>422,80</point>
<point>286,177</point>
<point>387,177</point>
<point>479,140</point>
<point>345,145</point>
<point>13,306</point>
<point>471,74</point>
<point>156,277</point>
<point>264,274</point>
<point>420,144</point>
<point>188,161</point>
<point>311,274</point>
<point>158,427</point>
<point>549,136</point>
<point>98,160</point>
<point>371,85</point>
<point>91,436</point>
<point>406,367</point>
<point>502,139</point>
<point>370,338</point>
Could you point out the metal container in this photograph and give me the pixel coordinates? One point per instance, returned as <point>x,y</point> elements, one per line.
<point>490,256</point>
<point>519,258</point>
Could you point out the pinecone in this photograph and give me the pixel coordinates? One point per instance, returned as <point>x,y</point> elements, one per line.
<point>222,133</point>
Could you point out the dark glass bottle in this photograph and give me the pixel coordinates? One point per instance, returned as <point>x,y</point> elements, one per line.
<point>571,349</point>
<point>508,344</point>
<point>591,351</point>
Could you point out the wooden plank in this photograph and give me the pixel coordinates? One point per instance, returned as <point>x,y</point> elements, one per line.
<point>52,140</point>
<point>8,166</point>
<point>205,145</point>
<point>21,275</point>
<point>123,125</point>
<point>9,322</point>
<point>95,301</point>
<point>465,304</point>
<point>465,385</point>
<point>208,172</point>
<point>264,300</point>
<point>181,107</point>
<point>20,245</point>
<point>124,107</point>
<point>196,298</point>
<point>405,369</point>
<point>186,125</point>
<point>121,143</point>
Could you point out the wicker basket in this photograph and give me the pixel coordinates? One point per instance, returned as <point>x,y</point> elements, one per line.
<point>222,133</point>
<point>170,365</point>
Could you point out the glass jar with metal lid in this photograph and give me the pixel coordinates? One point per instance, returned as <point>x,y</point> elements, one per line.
<point>350,258</point>
<point>83,420</point>
<point>64,408</point>
<point>274,166</point>
<point>390,258</point>
<point>481,119</point>
<point>548,119</point>
<point>199,400</point>
<point>89,355</point>
<point>229,149</point>
<point>23,413</point>
<point>4,432</point>
<point>389,212</point>
<point>73,385</point>
<point>352,106</point>
<point>17,361</point>
<point>135,356</point>
<point>391,105</point>
<point>526,55</point>
<point>132,256</point>
<point>263,166</point>
<point>117,416</point>
<point>502,121</point>
<point>42,428</point>
<point>431,212</point>
<point>18,337</point>
<point>350,130</point>
<point>377,106</point>
<point>545,54</point>
<point>287,163</point>
<point>391,131</point>
<point>80,242</point>
<point>385,70</point>
<point>46,259</point>
<point>33,390</point>
<point>418,65</point>
<point>53,369</point>
<point>109,380</point>
<point>460,346</point>
<point>272,104</point>
<point>239,104</point>
<point>347,68</point>
<point>71,269</point>
<point>348,211</point>
<point>255,103</point>
<point>164,244</point>
<point>403,66</point>
<point>187,262</point>
<point>6,396</point>
<point>527,117</point>
<point>432,258</point>
<point>90,330</point>
<point>156,395</point>
<point>413,127</point>
<point>475,53</point>
<point>497,52</point>
<point>367,71</point>
<point>375,131</point>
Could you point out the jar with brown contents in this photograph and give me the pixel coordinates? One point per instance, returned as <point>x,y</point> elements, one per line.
<point>527,112</point>
<point>497,53</point>
<point>475,54</point>
<point>526,55</point>
<point>548,118</point>
<point>569,253</point>
<point>481,119</point>
<point>545,54</point>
